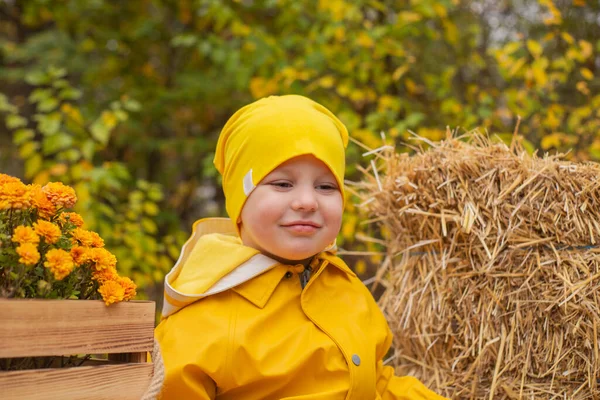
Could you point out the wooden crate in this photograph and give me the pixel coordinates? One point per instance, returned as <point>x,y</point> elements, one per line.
<point>32,327</point>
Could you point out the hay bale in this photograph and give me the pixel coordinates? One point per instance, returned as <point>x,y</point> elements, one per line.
<point>492,269</point>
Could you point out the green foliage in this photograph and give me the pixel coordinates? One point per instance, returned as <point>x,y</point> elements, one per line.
<point>382,66</point>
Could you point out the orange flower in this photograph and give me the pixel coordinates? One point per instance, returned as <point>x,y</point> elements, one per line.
<point>79,255</point>
<point>59,262</point>
<point>7,178</point>
<point>29,253</point>
<point>39,200</point>
<point>97,241</point>
<point>60,195</point>
<point>111,292</point>
<point>72,217</point>
<point>101,258</point>
<point>50,232</point>
<point>105,274</point>
<point>25,234</point>
<point>82,237</point>
<point>14,195</point>
<point>128,286</point>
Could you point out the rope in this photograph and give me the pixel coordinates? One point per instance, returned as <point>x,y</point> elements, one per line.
<point>157,377</point>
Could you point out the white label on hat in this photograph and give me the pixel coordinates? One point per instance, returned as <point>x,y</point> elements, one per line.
<point>248,184</point>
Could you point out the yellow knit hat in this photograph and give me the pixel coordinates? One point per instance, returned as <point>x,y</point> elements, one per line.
<point>264,134</point>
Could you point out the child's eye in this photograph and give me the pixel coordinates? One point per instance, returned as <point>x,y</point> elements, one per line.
<point>282,184</point>
<point>327,187</point>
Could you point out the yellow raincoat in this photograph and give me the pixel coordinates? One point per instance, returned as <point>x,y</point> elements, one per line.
<point>238,326</point>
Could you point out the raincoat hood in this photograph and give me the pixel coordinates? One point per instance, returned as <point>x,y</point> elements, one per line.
<point>211,261</point>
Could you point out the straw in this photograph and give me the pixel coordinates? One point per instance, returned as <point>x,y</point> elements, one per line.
<point>492,270</point>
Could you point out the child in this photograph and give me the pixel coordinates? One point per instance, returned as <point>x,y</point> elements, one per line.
<point>262,308</point>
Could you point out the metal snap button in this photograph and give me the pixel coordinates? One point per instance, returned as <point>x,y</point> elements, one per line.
<point>356,359</point>
<point>288,274</point>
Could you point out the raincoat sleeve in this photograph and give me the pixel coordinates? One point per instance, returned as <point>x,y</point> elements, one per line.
<point>391,387</point>
<point>185,377</point>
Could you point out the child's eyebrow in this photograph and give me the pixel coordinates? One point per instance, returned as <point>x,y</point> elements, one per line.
<point>289,171</point>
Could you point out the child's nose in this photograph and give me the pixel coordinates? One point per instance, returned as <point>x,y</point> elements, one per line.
<point>305,200</point>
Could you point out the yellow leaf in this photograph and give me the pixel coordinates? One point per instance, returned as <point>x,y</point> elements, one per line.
<point>440,10</point>
<point>408,17</point>
<point>240,29</point>
<point>516,66</point>
<point>399,72</point>
<point>360,267</point>
<point>534,48</point>
<point>412,87</point>
<point>540,76</point>
<point>586,49</point>
<point>451,31</point>
<point>582,86</point>
<point>349,227</point>
<point>553,140</point>
<point>326,82</point>
<point>586,73</point>
<point>364,40</point>
<point>261,87</point>
<point>109,119</point>
<point>567,38</point>
<point>340,33</point>
<point>511,47</point>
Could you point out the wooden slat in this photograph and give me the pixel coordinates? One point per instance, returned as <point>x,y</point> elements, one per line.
<point>31,327</point>
<point>108,382</point>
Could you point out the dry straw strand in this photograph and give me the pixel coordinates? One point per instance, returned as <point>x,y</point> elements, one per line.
<point>492,267</point>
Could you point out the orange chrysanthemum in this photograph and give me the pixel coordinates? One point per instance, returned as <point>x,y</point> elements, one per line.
<point>128,286</point>
<point>72,217</point>
<point>60,194</point>
<point>14,195</point>
<point>105,274</point>
<point>59,262</point>
<point>25,234</point>
<point>7,178</point>
<point>40,201</point>
<point>50,232</point>
<point>28,253</point>
<point>101,258</point>
<point>97,241</point>
<point>79,255</point>
<point>82,237</point>
<point>111,292</point>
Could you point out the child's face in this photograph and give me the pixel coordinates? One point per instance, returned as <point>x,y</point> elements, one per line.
<point>295,212</point>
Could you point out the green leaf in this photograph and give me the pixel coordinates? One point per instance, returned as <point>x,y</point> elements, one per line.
<point>28,149</point>
<point>33,165</point>
<point>60,83</point>
<point>15,121</point>
<point>149,225</point>
<point>5,105</point>
<point>48,124</point>
<point>57,142</point>
<point>39,95</point>
<point>100,132</point>
<point>70,155</point>
<point>22,135</point>
<point>48,104</point>
<point>132,105</point>
<point>88,149</point>
<point>70,94</point>
<point>37,78</point>
<point>55,72</point>
<point>185,40</point>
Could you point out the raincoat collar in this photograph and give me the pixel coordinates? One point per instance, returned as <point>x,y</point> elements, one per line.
<point>214,260</point>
